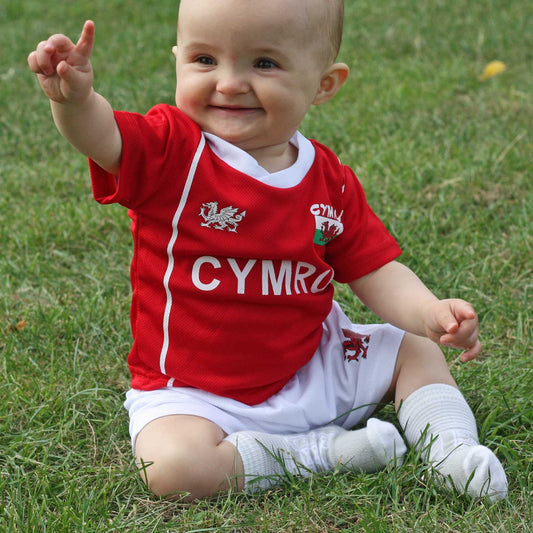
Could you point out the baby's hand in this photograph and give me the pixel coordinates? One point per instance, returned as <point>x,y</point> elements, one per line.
<point>454,323</point>
<point>64,68</point>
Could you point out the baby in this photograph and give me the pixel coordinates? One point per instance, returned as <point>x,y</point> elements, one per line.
<point>243,366</point>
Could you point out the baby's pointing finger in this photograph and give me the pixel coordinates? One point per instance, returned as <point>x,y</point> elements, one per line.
<point>85,43</point>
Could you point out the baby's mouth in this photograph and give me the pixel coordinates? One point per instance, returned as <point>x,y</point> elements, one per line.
<point>235,109</point>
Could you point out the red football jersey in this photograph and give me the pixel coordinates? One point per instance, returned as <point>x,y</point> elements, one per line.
<point>231,278</point>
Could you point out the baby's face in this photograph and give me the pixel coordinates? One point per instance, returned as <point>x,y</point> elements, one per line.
<point>247,70</point>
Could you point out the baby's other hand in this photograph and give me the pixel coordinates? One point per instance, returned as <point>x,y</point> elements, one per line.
<point>454,323</point>
<point>63,68</point>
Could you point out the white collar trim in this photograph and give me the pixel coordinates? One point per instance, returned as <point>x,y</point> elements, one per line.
<point>245,163</point>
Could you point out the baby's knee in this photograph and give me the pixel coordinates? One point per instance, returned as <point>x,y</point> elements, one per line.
<point>413,346</point>
<point>420,354</point>
<point>166,472</point>
<point>179,465</point>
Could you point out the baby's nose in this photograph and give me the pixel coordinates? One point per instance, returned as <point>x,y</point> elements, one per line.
<point>232,82</point>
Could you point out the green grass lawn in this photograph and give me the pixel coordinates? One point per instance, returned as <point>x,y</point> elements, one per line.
<point>445,160</point>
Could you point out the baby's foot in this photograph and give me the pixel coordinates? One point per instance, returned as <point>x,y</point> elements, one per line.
<point>475,469</point>
<point>368,449</point>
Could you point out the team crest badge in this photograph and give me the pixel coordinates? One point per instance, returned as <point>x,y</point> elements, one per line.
<point>328,225</point>
<point>227,218</point>
<point>355,346</point>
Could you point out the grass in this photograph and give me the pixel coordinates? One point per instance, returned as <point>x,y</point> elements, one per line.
<point>445,161</point>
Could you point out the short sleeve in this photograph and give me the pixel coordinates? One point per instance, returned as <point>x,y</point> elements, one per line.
<point>365,244</point>
<point>155,147</point>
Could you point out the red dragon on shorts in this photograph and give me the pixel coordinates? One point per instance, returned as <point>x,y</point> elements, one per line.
<point>356,346</point>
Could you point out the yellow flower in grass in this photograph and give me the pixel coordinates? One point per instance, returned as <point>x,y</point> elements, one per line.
<point>492,69</point>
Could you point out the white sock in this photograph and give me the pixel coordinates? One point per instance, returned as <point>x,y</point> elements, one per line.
<point>266,458</point>
<point>437,420</point>
<point>368,449</point>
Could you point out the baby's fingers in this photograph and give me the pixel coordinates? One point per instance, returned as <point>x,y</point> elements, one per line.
<point>463,311</point>
<point>472,352</point>
<point>32,62</point>
<point>465,337</point>
<point>40,60</point>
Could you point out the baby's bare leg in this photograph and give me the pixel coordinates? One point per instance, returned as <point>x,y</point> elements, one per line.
<point>420,362</point>
<point>186,457</point>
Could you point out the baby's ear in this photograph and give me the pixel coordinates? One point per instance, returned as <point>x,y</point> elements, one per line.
<point>331,82</point>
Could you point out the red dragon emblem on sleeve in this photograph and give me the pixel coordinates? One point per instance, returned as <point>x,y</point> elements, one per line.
<point>356,346</point>
<point>329,232</point>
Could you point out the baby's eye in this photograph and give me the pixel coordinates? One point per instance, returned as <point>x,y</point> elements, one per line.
<point>205,60</point>
<point>265,64</point>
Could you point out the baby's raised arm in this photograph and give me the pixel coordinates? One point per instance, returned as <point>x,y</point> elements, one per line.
<point>83,117</point>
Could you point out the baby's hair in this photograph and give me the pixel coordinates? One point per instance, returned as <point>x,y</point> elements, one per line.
<point>326,17</point>
<point>335,24</point>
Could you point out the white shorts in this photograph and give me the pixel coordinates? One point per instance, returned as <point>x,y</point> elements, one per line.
<point>342,384</point>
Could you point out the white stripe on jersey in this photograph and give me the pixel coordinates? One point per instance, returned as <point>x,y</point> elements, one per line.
<point>170,267</point>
